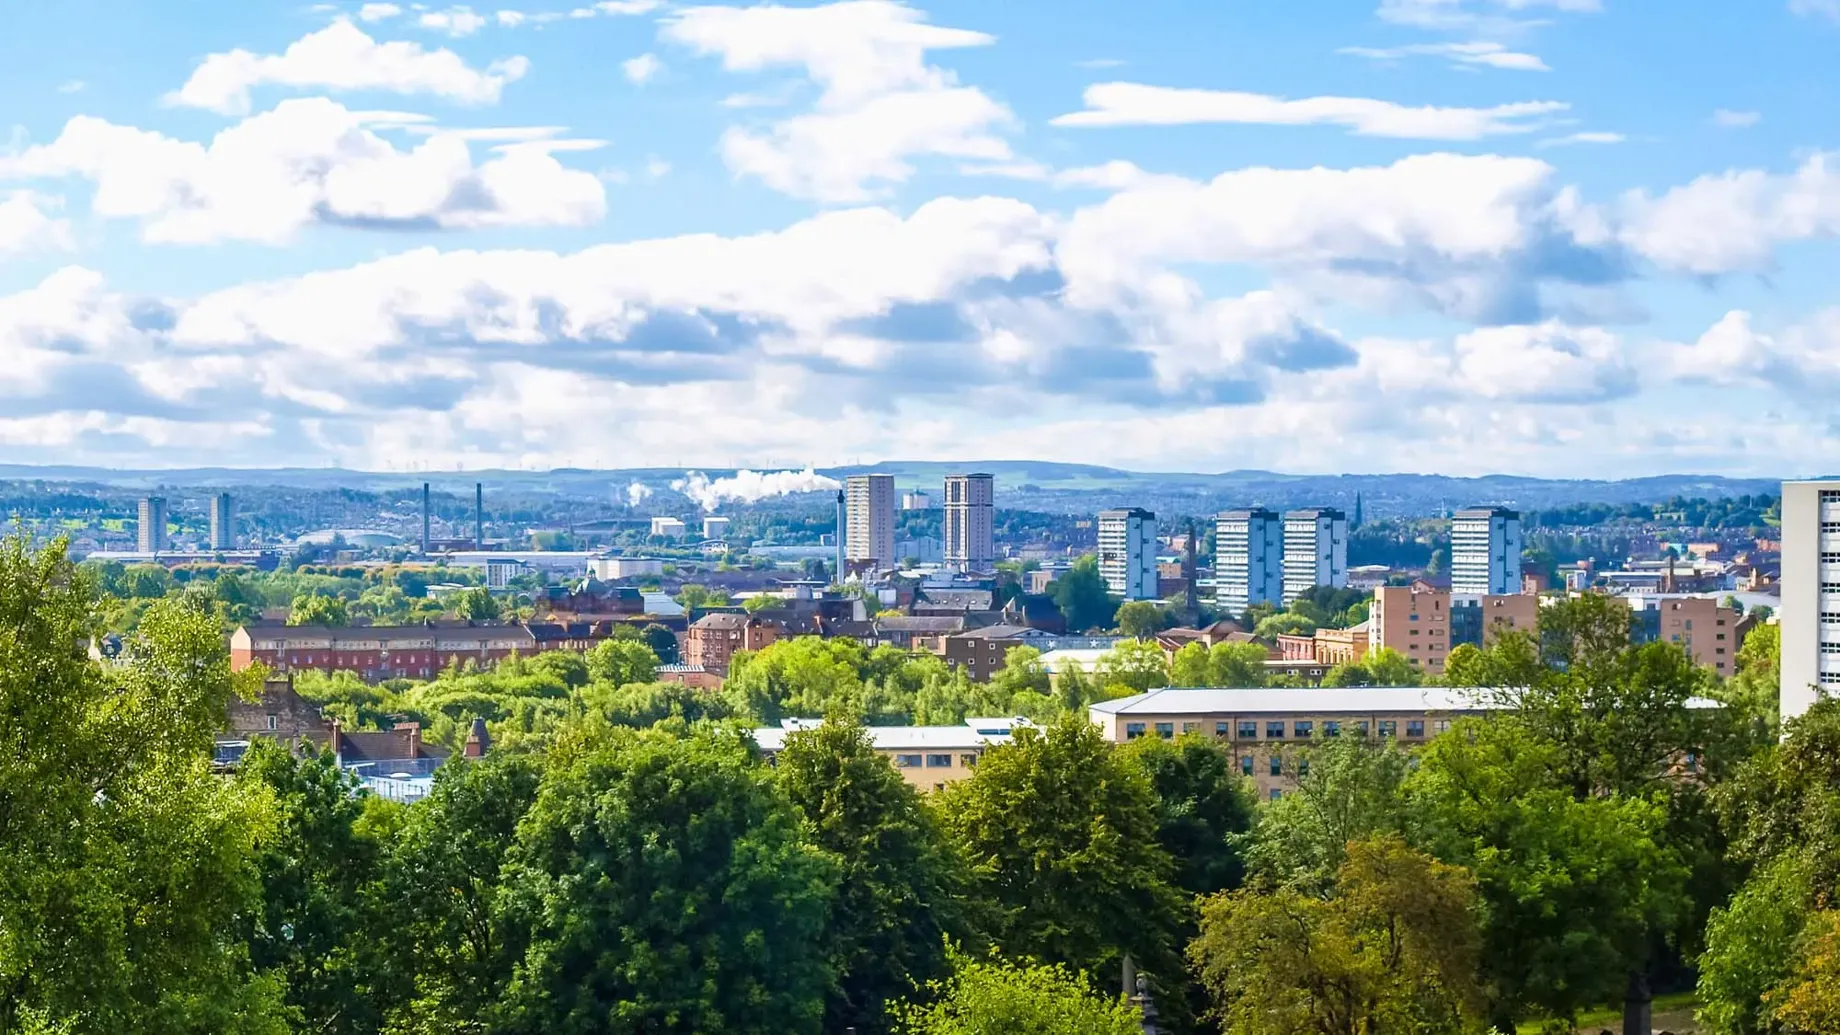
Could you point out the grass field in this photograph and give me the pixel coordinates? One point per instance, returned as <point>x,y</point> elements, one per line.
<point>1672,1013</point>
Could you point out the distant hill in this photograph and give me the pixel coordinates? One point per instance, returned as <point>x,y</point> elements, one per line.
<point>1021,484</point>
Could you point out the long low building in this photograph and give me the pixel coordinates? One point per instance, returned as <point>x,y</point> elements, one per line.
<point>378,652</point>
<point>927,757</point>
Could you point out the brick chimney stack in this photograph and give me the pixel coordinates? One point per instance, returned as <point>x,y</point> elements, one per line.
<point>413,737</point>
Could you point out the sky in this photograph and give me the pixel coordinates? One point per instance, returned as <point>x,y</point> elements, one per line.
<point>1571,238</point>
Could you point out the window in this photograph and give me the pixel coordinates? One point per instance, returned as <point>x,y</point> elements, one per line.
<point>1248,730</point>
<point>1441,726</point>
<point>939,761</point>
<point>1303,728</point>
<point>1166,730</point>
<point>1415,727</point>
<point>1277,765</point>
<point>907,761</point>
<point>1245,765</point>
<point>1276,794</point>
<point>1133,730</point>
<point>1360,728</point>
<point>274,722</point>
<point>1303,767</point>
<point>1274,731</point>
<point>968,761</point>
<point>1332,728</point>
<point>1190,727</point>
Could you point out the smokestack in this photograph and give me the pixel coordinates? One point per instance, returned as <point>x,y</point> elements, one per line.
<point>425,501</point>
<point>840,532</point>
<point>479,515</point>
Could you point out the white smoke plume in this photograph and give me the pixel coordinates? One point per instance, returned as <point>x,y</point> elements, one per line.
<point>750,486</point>
<point>636,493</point>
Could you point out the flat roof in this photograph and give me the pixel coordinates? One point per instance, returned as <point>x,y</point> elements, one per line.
<point>971,734</point>
<point>1304,700</point>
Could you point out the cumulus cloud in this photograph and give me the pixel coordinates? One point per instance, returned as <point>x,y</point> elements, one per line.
<point>378,12</point>
<point>454,21</point>
<point>1486,14</point>
<point>342,57</point>
<point>1134,104</point>
<point>642,69</point>
<point>27,225</point>
<point>1725,118</point>
<point>880,103</point>
<point>1802,360</point>
<point>1734,220</point>
<point>1547,362</point>
<point>1472,54</point>
<point>305,162</point>
<point>751,486</point>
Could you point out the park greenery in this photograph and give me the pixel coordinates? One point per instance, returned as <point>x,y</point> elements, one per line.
<point>626,859</point>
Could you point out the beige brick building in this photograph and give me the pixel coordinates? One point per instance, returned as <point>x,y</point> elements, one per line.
<point>927,757</point>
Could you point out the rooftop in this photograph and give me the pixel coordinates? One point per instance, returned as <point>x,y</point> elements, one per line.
<point>973,733</point>
<point>1312,700</point>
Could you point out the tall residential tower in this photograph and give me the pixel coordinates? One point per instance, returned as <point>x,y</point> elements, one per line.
<point>970,522</point>
<point>1315,551</point>
<point>1127,553</point>
<point>1485,551</point>
<point>1810,616</point>
<point>869,525</point>
<point>1248,559</point>
<point>223,522</point>
<point>150,536</point>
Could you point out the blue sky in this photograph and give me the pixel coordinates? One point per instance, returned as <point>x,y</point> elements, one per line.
<point>1564,237</point>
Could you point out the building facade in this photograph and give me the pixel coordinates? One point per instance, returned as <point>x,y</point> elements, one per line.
<point>715,527</point>
<point>376,652</point>
<point>1315,551</point>
<point>1270,730</point>
<point>1424,623</point>
<point>1485,551</point>
<point>970,522</point>
<point>714,639</point>
<point>1707,631</point>
<point>669,527</point>
<point>223,521</point>
<point>927,757</point>
<point>150,533</point>
<point>1248,559</point>
<point>1810,617</point>
<point>869,521</point>
<point>1127,553</point>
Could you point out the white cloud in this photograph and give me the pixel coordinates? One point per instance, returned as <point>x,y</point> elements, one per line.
<point>1725,118</point>
<point>1734,220</point>
<point>454,21</point>
<point>642,69</point>
<point>72,86</point>
<point>378,12</point>
<point>1502,15</point>
<point>1547,362</point>
<point>26,223</point>
<point>1821,8</point>
<point>1462,55</point>
<point>307,161</point>
<point>880,103</point>
<point>510,19</point>
<point>1590,137</point>
<point>1134,104</point>
<point>341,57</point>
<point>656,167</point>
<point>1802,360</point>
<point>750,486</point>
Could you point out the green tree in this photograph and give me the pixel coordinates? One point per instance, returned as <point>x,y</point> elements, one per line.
<point>1394,948</point>
<point>1189,666</point>
<point>1205,807</point>
<point>126,864</point>
<point>1283,624</point>
<point>1237,664</point>
<point>995,997</point>
<point>146,581</point>
<point>1139,618</point>
<point>618,662</point>
<point>1750,947</point>
<point>694,596</point>
<point>1061,833</point>
<point>1080,594</point>
<point>761,602</point>
<point>314,609</point>
<point>662,641</point>
<point>661,884</point>
<point>314,927</point>
<point>1350,791</point>
<point>441,884</point>
<point>476,604</point>
<point>640,705</point>
<point>1134,665</point>
<point>1021,673</point>
<point>1756,688</point>
<point>1809,999</point>
<point>901,887</point>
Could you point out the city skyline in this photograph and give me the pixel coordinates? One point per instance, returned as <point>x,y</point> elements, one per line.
<point>1460,236</point>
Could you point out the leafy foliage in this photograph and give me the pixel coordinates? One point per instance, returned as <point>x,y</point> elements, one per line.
<point>994,997</point>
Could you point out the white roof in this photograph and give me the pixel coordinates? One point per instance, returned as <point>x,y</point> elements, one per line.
<point>1354,700</point>
<point>974,733</point>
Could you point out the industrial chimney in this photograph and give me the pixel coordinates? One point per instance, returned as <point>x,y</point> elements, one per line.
<point>479,515</point>
<point>425,503</point>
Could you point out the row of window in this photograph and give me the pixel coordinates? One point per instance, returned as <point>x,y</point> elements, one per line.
<point>932,761</point>
<point>1300,729</point>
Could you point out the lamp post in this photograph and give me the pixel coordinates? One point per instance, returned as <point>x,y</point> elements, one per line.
<point>1145,1005</point>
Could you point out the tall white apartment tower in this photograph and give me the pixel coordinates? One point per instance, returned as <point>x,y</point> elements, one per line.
<point>1810,616</point>
<point>1485,551</point>
<point>223,522</point>
<point>970,522</point>
<point>150,536</point>
<point>1127,553</point>
<point>869,520</point>
<point>1315,551</point>
<point>1248,559</point>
